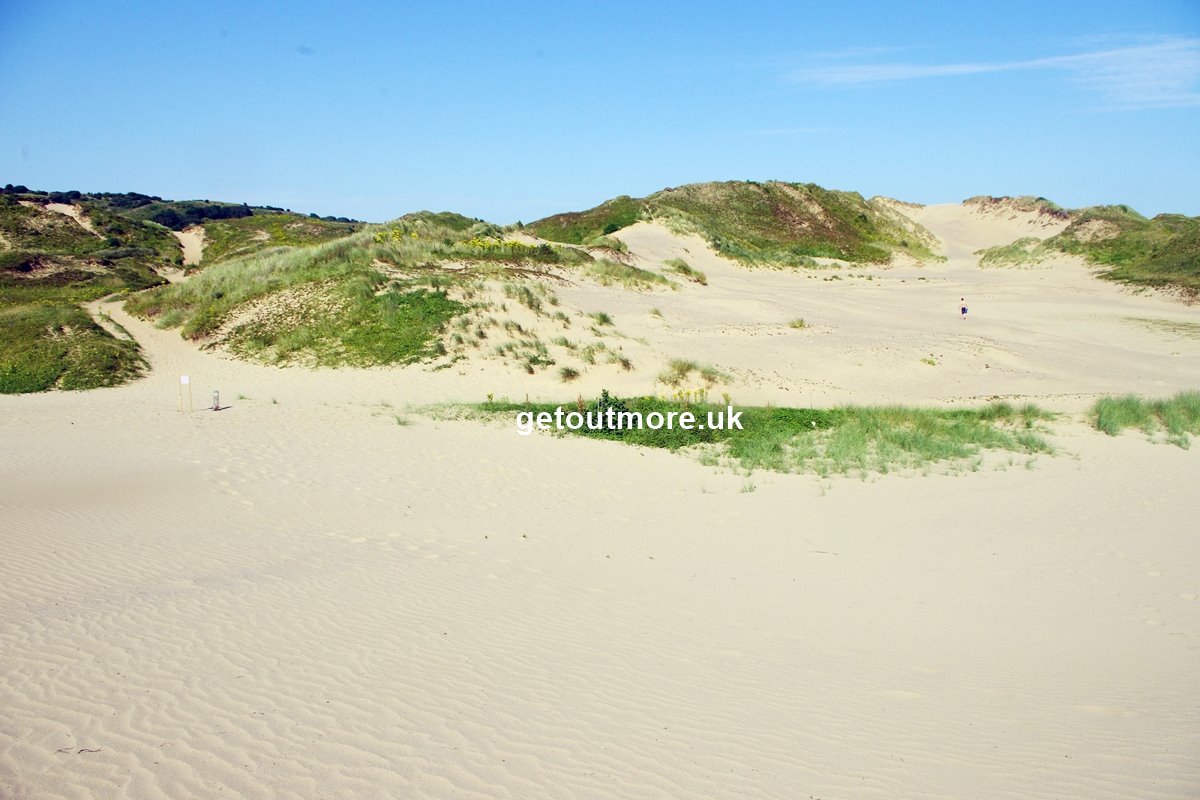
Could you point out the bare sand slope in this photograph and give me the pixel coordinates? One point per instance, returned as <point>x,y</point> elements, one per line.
<point>192,242</point>
<point>964,228</point>
<point>72,211</point>
<point>302,601</point>
<point>1055,334</point>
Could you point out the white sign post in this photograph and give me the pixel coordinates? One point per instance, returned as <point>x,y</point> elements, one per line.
<point>184,380</point>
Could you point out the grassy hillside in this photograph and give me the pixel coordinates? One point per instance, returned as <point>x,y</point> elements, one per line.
<point>1161,252</point>
<point>179,214</point>
<point>584,227</point>
<point>58,346</point>
<point>758,223</point>
<point>228,238</point>
<point>49,263</point>
<point>375,297</point>
<point>46,254</point>
<point>231,229</point>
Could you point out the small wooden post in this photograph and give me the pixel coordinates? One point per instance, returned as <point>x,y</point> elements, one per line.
<point>184,380</point>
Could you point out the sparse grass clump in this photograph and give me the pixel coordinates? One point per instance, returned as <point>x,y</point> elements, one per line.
<point>531,295</point>
<point>1025,251</point>
<point>608,243</point>
<point>568,374</point>
<point>681,267</point>
<point>678,370</point>
<point>798,323</point>
<point>1177,416</point>
<point>608,273</point>
<point>622,360</point>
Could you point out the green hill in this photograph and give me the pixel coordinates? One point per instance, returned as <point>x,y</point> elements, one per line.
<point>229,238</point>
<point>1160,252</point>
<point>378,296</point>
<point>230,229</point>
<point>49,264</point>
<point>758,223</point>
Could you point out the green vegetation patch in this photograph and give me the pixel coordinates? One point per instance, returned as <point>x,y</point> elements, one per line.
<point>1024,251</point>
<point>608,273</point>
<point>847,440</point>
<point>357,326</point>
<point>49,263</point>
<point>581,227</point>
<point>227,238</point>
<point>1177,416</point>
<point>771,223</point>
<point>58,346</point>
<point>1159,252</point>
<point>38,245</point>
<point>378,296</point>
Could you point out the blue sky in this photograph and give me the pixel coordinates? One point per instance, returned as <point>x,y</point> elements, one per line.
<point>514,110</point>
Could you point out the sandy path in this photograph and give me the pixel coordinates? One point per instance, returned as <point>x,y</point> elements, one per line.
<point>192,242</point>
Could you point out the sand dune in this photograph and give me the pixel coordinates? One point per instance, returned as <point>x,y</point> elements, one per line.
<point>299,597</point>
<point>192,242</point>
<point>74,212</point>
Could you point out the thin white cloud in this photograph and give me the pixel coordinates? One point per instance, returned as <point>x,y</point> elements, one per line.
<point>1162,74</point>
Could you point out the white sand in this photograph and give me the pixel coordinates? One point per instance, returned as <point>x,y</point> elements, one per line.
<point>192,241</point>
<point>306,599</point>
<point>75,213</point>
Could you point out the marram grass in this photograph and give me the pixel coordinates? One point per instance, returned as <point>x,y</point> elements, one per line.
<point>1177,416</point>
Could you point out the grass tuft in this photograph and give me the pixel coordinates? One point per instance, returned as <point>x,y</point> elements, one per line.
<point>1177,416</point>
<point>608,273</point>
<point>678,370</point>
<point>681,267</point>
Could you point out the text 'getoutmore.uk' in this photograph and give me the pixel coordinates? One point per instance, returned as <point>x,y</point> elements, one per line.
<point>613,420</point>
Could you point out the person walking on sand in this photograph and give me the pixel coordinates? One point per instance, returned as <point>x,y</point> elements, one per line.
<point>962,301</point>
